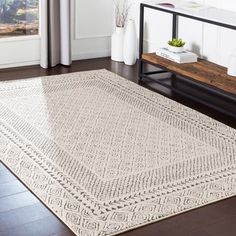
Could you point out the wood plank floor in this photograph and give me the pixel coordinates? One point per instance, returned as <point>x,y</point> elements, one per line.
<point>22,214</point>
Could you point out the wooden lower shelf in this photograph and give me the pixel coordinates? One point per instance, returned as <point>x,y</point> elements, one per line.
<point>203,71</point>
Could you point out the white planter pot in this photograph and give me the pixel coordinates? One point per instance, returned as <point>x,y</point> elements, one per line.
<point>117,44</point>
<point>175,49</point>
<point>130,44</point>
<point>232,65</point>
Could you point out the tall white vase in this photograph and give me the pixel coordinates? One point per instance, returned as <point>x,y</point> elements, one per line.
<point>117,44</point>
<point>232,65</point>
<point>130,44</point>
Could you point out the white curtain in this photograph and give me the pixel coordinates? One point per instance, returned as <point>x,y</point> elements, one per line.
<point>55,33</point>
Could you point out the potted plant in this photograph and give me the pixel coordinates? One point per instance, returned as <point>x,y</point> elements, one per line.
<point>117,41</point>
<point>176,45</point>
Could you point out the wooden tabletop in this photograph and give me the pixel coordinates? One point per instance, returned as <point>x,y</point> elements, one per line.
<point>203,71</point>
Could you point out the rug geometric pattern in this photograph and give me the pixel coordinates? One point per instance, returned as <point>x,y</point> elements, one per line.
<point>107,155</point>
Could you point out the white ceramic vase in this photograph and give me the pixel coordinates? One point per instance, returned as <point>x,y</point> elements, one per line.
<point>130,44</point>
<point>232,65</point>
<point>175,49</point>
<point>117,44</point>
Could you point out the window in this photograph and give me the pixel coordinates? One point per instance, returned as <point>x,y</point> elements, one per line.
<point>19,18</point>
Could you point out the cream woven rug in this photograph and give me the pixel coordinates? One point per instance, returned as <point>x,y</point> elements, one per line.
<point>106,155</point>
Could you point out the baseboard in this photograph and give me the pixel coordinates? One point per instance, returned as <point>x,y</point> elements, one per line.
<point>75,57</point>
<point>19,64</point>
<point>90,55</point>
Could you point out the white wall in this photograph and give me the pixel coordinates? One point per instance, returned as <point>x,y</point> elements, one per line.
<point>210,42</point>
<point>19,51</point>
<point>91,33</point>
<point>91,28</point>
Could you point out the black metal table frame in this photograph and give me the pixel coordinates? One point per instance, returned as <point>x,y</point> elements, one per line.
<point>147,75</point>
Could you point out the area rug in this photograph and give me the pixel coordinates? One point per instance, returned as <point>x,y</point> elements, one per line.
<point>107,155</point>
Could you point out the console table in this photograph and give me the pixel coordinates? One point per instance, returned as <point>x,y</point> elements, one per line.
<point>208,77</point>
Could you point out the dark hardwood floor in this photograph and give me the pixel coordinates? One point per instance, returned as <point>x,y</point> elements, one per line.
<point>22,214</point>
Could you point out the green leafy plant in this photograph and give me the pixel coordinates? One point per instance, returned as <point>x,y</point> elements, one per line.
<point>176,42</point>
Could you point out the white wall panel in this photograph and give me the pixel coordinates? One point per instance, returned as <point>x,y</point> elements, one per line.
<point>191,31</point>
<point>211,45</point>
<point>157,28</point>
<point>209,41</point>
<point>93,18</point>
<point>19,51</point>
<point>92,23</point>
<point>227,37</point>
<point>227,45</point>
<point>211,38</point>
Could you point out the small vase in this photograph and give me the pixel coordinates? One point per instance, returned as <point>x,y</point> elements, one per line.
<point>232,65</point>
<point>175,49</point>
<point>117,44</point>
<point>130,44</point>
